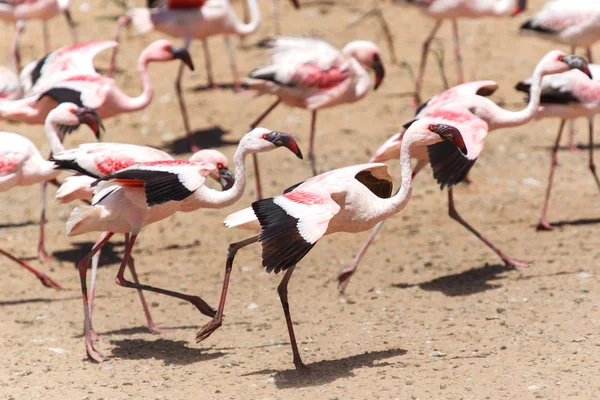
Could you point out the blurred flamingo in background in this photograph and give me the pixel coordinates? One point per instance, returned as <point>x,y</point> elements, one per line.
<point>22,165</point>
<point>10,88</point>
<point>90,89</point>
<point>351,199</point>
<point>571,22</point>
<point>13,11</point>
<point>312,74</point>
<point>441,10</point>
<point>145,193</point>
<point>470,95</point>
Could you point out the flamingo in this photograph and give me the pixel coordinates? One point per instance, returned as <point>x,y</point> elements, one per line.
<point>197,19</point>
<point>441,10</point>
<point>145,193</point>
<point>22,165</point>
<point>10,88</point>
<point>310,73</point>
<point>351,199</point>
<point>95,160</point>
<point>90,89</point>
<point>470,95</point>
<point>17,11</point>
<point>567,96</point>
<point>574,23</point>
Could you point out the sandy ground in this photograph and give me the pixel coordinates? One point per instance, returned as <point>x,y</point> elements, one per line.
<point>432,314</point>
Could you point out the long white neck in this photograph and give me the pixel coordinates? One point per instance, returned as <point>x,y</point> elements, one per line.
<point>210,198</point>
<point>137,103</point>
<point>53,135</point>
<point>396,203</point>
<point>502,118</point>
<point>363,81</point>
<point>245,29</point>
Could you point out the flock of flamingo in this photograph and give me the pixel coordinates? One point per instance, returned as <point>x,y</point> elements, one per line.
<point>121,188</point>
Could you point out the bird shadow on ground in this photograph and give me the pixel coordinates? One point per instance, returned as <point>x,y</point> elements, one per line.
<point>79,250</point>
<point>18,224</point>
<point>576,222</point>
<point>475,280</point>
<point>171,352</point>
<point>204,138</point>
<point>578,146</point>
<point>36,300</point>
<point>217,87</point>
<point>144,329</point>
<point>327,371</point>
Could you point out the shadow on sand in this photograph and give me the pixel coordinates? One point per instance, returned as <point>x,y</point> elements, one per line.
<point>172,352</point>
<point>80,249</point>
<point>324,372</point>
<point>204,138</point>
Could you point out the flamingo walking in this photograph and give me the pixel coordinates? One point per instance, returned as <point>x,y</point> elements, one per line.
<point>471,95</point>
<point>22,165</point>
<point>567,96</point>
<point>17,11</point>
<point>441,10</point>
<point>351,199</point>
<point>145,193</point>
<point>92,90</point>
<point>572,22</point>
<point>310,73</point>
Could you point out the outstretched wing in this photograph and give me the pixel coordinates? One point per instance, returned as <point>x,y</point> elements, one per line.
<point>291,225</point>
<point>163,181</point>
<point>84,90</point>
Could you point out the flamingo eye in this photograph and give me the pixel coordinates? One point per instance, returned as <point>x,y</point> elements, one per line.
<point>220,166</point>
<point>431,128</point>
<point>561,58</point>
<point>265,136</point>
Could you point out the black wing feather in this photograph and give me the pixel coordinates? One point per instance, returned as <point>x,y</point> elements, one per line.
<point>282,245</point>
<point>64,95</point>
<point>71,165</point>
<point>450,166</point>
<point>529,26</point>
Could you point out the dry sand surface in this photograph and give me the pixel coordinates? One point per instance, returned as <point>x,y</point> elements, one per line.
<point>431,314</point>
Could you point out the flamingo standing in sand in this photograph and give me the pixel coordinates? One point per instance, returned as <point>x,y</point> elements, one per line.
<point>312,74</point>
<point>90,89</point>
<point>22,165</point>
<point>96,160</point>
<point>351,199</point>
<point>145,193</point>
<point>197,19</point>
<point>441,10</point>
<point>567,96</point>
<point>572,22</point>
<point>470,95</point>
<point>17,11</point>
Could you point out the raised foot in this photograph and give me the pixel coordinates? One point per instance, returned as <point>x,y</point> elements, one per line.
<point>543,225</point>
<point>93,354</point>
<point>94,336</point>
<point>513,262</point>
<point>203,307</point>
<point>48,282</point>
<point>344,278</point>
<point>207,330</point>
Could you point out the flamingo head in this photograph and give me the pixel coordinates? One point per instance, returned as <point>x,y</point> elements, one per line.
<point>427,131</point>
<point>221,174</point>
<point>163,50</point>
<point>368,54</point>
<point>519,7</point>
<point>260,140</point>
<point>556,62</point>
<point>68,117</point>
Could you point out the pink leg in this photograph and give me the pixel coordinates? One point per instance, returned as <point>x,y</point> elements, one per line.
<point>459,61</point>
<point>572,147</point>
<point>347,272</point>
<point>543,225</point>
<point>509,261</point>
<point>71,24</point>
<point>87,325</point>
<point>42,255</point>
<point>182,107</point>
<point>592,165</point>
<point>121,23</point>
<point>15,54</point>
<point>47,47</point>
<point>92,295</point>
<point>217,321</point>
<point>208,62</point>
<point>44,279</point>
<point>424,53</point>
<point>283,296</point>
<point>311,143</point>
<point>259,192</point>
<point>236,77</point>
<point>121,281</point>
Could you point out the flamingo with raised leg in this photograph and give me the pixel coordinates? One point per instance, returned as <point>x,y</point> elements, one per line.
<point>566,96</point>
<point>22,165</point>
<point>441,10</point>
<point>351,199</point>
<point>310,73</point>
<point>145,193</point>
<point>92,90</point>
<point>17,11</point>
<point>470,95</point>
